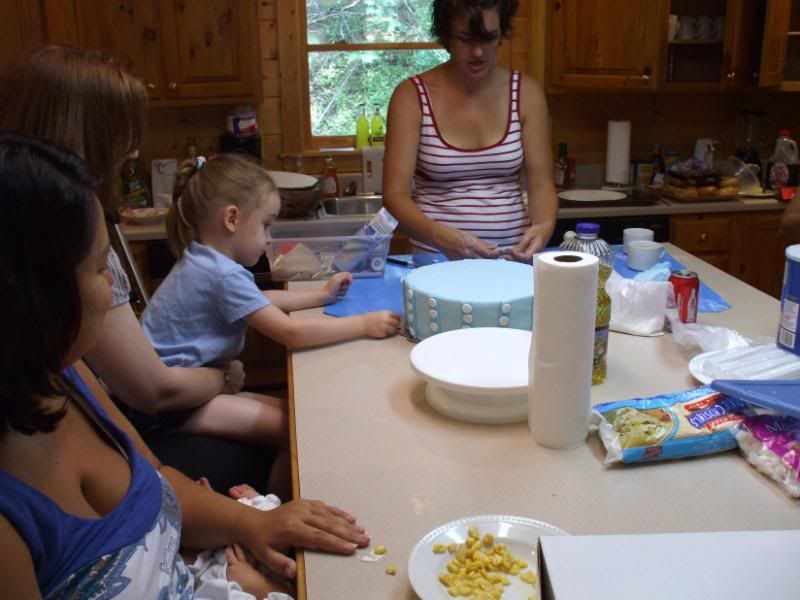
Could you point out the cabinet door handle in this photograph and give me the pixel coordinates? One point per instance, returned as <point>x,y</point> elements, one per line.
<point>151,86</point>
<point>703,237</point>
<point>732,74</point>
<point>149,34</point>
<point>172,86</point>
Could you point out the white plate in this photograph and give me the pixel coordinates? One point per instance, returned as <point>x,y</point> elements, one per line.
<point>520,534</point>
<point>765,194</point>
<point>478,375</point>
<point>143,216</point>
<point>695,366</point>
<point>292,181</point>
<point>591,195</point>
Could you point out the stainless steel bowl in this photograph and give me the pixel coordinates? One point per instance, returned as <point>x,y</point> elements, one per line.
<point>299,202</point>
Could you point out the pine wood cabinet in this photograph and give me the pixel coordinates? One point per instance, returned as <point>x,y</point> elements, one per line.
<point>780,52</point>
<point>638,44</point>
<point>611,44</point>
<point>185,51</point>
<point>745,244</point>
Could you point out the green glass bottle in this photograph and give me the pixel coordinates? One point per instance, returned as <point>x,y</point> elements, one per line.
<point>362,129</point>
<point>377,129</point>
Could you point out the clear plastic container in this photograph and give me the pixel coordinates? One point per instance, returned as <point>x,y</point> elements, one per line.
<point>316,249</point>
<point>586,239</point>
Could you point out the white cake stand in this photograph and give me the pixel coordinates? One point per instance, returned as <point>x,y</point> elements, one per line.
<point>479,375</point>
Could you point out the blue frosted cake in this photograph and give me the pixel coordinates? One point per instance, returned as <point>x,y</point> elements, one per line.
<point>468,293</point>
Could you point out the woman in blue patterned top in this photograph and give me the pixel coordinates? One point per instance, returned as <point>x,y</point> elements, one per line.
<point>85,508</point>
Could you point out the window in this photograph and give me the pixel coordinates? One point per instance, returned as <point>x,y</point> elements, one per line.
<point>354,54</point>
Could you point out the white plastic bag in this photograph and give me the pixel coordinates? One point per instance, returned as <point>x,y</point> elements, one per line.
<point>637,307</point>
<point>706,337</point>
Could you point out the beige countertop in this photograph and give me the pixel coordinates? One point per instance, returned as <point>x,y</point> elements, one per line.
<point>135,233</point>
<point>367,441</point>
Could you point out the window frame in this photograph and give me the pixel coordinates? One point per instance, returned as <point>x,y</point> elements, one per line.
<point>293,55</point>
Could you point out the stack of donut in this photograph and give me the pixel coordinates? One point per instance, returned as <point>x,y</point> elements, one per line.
<point>699,184</point>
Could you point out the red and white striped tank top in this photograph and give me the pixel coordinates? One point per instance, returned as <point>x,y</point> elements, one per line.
<point>478,190</point>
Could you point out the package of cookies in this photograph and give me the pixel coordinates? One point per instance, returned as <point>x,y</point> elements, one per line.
<point>690,423</point>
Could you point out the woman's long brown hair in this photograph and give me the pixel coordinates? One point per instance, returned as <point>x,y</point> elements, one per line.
<point>80,100</point>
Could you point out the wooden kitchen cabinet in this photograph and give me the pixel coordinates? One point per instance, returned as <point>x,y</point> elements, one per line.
<point>725,53</point>
<point>610,44</point>
<point>780,53</point>
<point>758,256</point>
<point>186,52</point>
<point>746,245</point>
<point>707,236</point>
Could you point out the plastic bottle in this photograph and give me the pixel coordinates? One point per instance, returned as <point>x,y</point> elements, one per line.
<point>563,173</point>
<point>330,180</point>
<point>362,128</point>
<point>658,161</point>
<point>586,239</point>
<point>367,245</point>
<point>783,167</point>
<point>377,129</point>
<point>134,191</point>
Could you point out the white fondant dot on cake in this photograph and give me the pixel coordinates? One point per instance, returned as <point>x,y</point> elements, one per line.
<point>504,321</point>
<point>484,290</point>
<point>433,314</point>
<point>410,317</point>
<point>410,306</point>
<point>409,294</point>
<point>434,327</point>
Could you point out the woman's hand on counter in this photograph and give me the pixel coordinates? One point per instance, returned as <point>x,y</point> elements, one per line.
<point>336,287</point>
<point>533,241</point>
<point>457,244</point>
<point>309,524</point>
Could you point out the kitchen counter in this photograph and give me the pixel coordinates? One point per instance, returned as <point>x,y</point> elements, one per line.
<point>665,206</point>
<point>365,439</point>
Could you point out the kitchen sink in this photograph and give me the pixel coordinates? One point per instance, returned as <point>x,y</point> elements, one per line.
<point>353,205</point>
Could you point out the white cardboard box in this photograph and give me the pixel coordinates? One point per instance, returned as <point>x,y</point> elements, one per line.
<point>732,565</point>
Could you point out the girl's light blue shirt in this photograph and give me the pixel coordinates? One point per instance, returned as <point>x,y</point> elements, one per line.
<point>196,317</point>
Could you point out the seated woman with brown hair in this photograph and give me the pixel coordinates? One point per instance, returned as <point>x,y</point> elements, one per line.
<point>85,507</point>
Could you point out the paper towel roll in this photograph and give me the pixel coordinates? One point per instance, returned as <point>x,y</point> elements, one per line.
<point>618,152</point>
<point>562,348</point>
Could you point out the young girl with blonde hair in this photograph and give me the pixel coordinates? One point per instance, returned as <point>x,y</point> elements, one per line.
<point>218,225</point>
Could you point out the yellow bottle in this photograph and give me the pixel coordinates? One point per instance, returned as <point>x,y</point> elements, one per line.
<point>362,129</point>
<point>377,129</point>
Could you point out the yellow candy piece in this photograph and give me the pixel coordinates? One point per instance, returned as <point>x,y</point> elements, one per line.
<point>391,570</point>
<point>439,548</point>
<point>380,550</point>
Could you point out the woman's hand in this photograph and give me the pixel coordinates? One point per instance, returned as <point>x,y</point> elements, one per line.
<point>533,241</point>
<point>456,244</point>
<point>337,287</point>
<point>309,524</point>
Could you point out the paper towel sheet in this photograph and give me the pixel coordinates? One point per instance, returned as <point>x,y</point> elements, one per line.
<point>562,348</point>
<point>618,152</point>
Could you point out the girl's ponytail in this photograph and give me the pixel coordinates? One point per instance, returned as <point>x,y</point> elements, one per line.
<point>181,225</point>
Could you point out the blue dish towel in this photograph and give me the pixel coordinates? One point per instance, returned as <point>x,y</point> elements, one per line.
<point>369,294</point>
<point>710,301</point>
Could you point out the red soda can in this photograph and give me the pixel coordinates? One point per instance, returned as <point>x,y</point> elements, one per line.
<point>687,291</point>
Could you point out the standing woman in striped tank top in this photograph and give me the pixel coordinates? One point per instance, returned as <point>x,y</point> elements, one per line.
<point>465,131</point>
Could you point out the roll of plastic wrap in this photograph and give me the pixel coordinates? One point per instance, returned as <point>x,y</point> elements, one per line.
<point>560,371</point>
<point>618,152</point>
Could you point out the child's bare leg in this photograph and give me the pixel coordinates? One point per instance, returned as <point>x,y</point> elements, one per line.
<point>248,576</point>
<point>245,417</point>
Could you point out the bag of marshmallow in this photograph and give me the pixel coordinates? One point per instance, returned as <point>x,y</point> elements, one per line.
<point>771,443</point>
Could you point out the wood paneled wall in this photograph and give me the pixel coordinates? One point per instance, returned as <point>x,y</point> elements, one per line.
<point>580,119</point>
